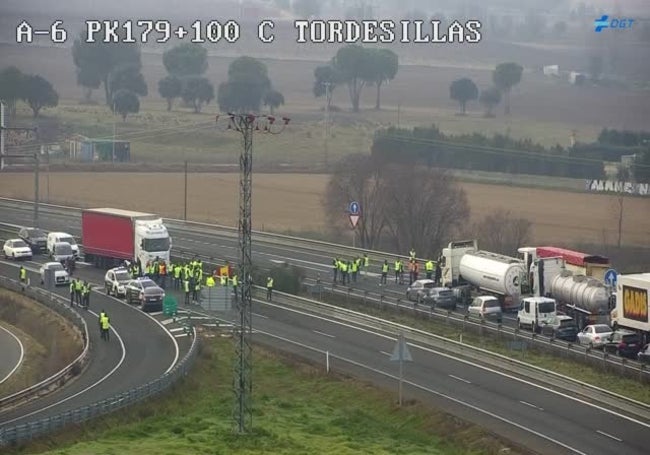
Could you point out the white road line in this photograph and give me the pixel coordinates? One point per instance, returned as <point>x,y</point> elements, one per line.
<point>435,392</point>
<point>466,362</point>
<point>167,321</point>
<point>609,436</point>
<point>386,353</point>
<point>177,329</point>
<point>156,313</point>
<point>20,359</point>
<point>459,379</point>
<point>324,334</point>
<point>106,376</point>
<point>531,405</point>
<point>180,335</point>
<point>260,316</point>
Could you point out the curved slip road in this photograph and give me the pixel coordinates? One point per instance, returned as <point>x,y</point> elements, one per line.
<point>12,353</point>
<point>139,351</point>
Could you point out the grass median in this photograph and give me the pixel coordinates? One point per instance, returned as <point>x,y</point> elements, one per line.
<point>297,410</point>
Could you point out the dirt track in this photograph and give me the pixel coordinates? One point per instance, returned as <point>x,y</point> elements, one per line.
<point>284,202</point>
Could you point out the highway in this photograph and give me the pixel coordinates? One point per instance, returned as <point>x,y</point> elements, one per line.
<point>526,412</point>
<point>139,351</point>
<point>11,354</point>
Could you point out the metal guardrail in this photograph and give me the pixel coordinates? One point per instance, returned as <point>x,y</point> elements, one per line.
<point>473,352</point>
<point>577,352</point>
<point>57,304</point>
<point>18,434</point>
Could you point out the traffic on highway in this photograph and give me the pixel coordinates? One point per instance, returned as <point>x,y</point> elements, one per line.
<point>535,414</point>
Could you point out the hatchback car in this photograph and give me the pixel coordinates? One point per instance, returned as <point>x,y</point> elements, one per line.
<point>115,281</point>
<point>145,292</point>
<point>562,328</point>
<point>594,335</point>
<point>61,276</point>
<point>623,343</point>
<point>419,289</point>
<point>17,249</point>
<point>486,307</point>
<point>35,238</point>
<point>441,298</point>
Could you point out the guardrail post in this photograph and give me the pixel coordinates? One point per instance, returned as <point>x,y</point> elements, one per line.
<point>347,295</point>
<point>327,361</point>
<point>399,300</point>
<point>365,296</point>
<point>381,300</point>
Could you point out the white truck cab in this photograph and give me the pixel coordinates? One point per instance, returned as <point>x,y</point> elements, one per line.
<point>152,241</point>
<point>535,312</point>
<point>61,237</point>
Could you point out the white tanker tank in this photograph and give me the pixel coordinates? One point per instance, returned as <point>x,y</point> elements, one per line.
<point>581,291</point>
<point>493,272</point>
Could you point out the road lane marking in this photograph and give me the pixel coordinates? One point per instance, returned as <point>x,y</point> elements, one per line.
<point>609,436</point>
<point>20,359</point>
<point>460,379</point>
<point>531,405</point>
<point>260,316</point>
<point>177,329</point>
<point>324,334</point>
<point>433,392</point>
<point>181,335</point>
<point>386,353</point>
<point>362,328</point>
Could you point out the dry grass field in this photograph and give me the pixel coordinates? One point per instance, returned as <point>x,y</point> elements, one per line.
<point>284,202</point>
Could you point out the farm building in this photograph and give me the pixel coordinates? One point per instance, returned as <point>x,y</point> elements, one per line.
<point>83,148</point>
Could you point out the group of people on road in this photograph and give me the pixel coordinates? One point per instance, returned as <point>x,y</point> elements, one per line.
<point>350,269</point>
<point>80,293</point>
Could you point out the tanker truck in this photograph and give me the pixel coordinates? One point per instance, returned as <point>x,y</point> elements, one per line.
<point>464,265</point>
<point>632,306</point>
<point>585,299</point>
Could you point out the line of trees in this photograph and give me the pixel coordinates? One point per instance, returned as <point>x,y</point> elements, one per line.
<point>355,67</point>
<point>36,91</point>
<point>500,153</point>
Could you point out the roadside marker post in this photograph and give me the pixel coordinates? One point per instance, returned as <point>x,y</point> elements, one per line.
<point>354,211</point>
<point>401,354</point>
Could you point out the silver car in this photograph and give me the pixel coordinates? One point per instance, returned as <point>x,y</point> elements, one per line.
<point>441,298</point>
<point>594,335</point>
<point>419,289</point>
<point>486,307</point>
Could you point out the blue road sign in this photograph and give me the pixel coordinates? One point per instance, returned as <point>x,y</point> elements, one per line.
<point>354,208</point>
<point>610,277</point>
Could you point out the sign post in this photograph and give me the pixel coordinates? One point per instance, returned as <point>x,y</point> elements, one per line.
<point>354,211</point>
<point>401,354</point>
<point>611,277</point>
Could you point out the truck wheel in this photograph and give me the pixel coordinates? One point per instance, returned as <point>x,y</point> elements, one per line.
<point>519,324</point>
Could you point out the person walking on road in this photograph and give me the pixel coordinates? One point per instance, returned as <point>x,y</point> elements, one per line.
<point>99,321</point>
<point>72,287</point>
<point>354,268</point>
<point>186,289</point>
<point>269,288</point>
<point>235,284</point>
<point>335,267</point>
<point>78,287</point>
<point>428,268</point>
<point>384,272</point>
<point>106,326</point>
<point>396,268</point>
<point>22,274</point>
<point>86,295</point>
<point>366,264</point>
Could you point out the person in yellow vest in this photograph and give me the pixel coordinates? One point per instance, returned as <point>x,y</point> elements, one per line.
<point>209,282</point>
<point>78,288</point>
<point>366,263</point>
<point>106,326</point>
<point>223,280</point>
<point>235,283</point>
<point>396,267</point>
<point>186,289</point>
<point>177,276</point>
<point>86,295</point>
<point>412,254</point>
<point>99,320</point>
<point>72,288</point>
<point>22,274</point>
<point>344,273</point>
<point>384,271</point>
<point>335,267</point>
<point>269,288</point>
<point>354,268</point>
<point>401,272</point>
<point>428,268</point>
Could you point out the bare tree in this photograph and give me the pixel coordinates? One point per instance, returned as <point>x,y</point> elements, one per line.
<point>424,208</point>
<point>357,178</point>
<point>501,232</point>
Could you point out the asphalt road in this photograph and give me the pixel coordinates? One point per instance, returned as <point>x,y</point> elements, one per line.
<point>11,353</point>
<point>139,351</point>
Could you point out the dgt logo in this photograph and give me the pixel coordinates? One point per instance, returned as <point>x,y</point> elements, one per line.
<point>606,22</point>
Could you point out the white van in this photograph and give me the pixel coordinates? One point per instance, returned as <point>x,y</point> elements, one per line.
<point>58,237</point>
<point>486,307</point>
<point>536,312</point>
<point>61,252</point>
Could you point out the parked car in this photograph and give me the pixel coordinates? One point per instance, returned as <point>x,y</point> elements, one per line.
<point>562,328</point>
<point>35,238</point>
<point>624,343</point>
<point>17,249</point>
<point>419,289</point>
<point>61,276</point>
<point>594,335</point>
<point>644,354</point>
<point>116,280</point>
<point>486,307</point>
<point>61,252</point>
<point>145,292</point>
<point>57,237</point>
<point>441,298</point>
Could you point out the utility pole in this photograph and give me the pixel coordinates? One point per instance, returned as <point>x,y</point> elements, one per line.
<point>37,166</point>
<point>185,205</point>
<point>246,124</point>
<point>326,122</point>
<point>114,134</point>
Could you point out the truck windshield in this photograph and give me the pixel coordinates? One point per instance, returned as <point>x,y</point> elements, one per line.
<point>69,240</point>
<point>153,245</point>
<point>546,307</point>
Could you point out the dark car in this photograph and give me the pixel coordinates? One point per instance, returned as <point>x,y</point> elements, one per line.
<point>35,238</point>
<point>644,354</point>
<point>145,292</point>
<point>563,328</point>
<point>441,298</point>
<point>623,343</point>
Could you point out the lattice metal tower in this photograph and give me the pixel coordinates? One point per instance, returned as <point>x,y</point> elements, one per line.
<point>246,124</point>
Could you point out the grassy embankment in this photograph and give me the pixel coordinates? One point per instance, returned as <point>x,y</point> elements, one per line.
<point>48,340</point>
<point>297,410</point>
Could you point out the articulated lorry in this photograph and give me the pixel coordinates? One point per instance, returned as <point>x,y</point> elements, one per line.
<point>632,307</point>
<point>111,236</point>
<point>590,265</point>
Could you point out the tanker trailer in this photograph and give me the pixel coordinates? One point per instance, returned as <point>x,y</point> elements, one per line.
<point>583,298</point>
<point>496,274</point>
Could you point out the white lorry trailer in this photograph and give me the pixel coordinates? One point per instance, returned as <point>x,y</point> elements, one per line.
<point>632,308</point>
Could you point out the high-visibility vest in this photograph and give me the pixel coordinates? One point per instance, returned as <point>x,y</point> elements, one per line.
<point>269,283</point>
<point>396,266</point>
<point>354,267</point>
<point>209,282</point>
<point>104,321</point>
<point>177,271</point>
<point>344,267</point>
<point>384,268</point>
<point>186,286</point>
<point>429,266</point>
<point>401,266</point>
<point>101,316</point>
<point>235,281</point>
<point>78,286</point>
<point>23,273</point>
<point>366,261</point>
<point>223,280</point>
